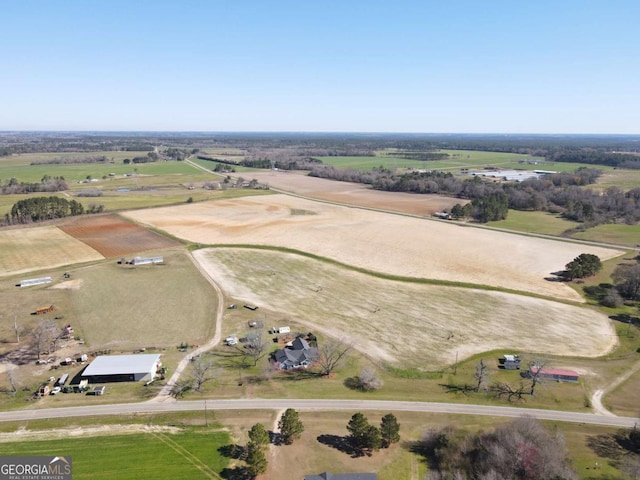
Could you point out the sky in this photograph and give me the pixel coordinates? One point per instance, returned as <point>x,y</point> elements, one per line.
<point>455,66</point>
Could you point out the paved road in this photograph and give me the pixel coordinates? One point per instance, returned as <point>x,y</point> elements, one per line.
<point>316,404</point>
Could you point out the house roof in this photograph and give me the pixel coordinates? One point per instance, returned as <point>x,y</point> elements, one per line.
<point>295,356</point>
<point>121,364</point>
<point>342,476</point>
<point>300,344</point>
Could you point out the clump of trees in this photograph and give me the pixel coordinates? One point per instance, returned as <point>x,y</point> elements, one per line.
<point>37,209</point>
<point>521,449</point>
<point>366,438</point>
<point>584,265</point>
<point>47,184</point>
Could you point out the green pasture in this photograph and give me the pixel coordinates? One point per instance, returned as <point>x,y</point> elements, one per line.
<point>28,158</point>
<point>534,222</point>
<point>623,179</point>
<point>458,159</point>
<point>25,172</point>
<point>209,165</point>
<point>192,453</point>
<point>620,234</point>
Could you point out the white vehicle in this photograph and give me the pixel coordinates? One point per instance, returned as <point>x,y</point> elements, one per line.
<point>55,391</point>
<point>231,340</point>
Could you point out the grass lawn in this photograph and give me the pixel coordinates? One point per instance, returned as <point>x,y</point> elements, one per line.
<point>151,305</point>
<point>191,453</point>
<point>621,178</point>
<point>534,222</point>
<point>612,233</point>
<point>19,166</point>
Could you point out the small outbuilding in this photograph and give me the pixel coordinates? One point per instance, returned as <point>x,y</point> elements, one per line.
<point>123,368</point>
<point>556,374</point>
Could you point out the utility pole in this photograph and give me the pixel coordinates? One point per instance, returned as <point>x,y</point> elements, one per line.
<point>15,327</point>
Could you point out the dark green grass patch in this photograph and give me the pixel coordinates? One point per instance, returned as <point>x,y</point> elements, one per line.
<point>190,454</point>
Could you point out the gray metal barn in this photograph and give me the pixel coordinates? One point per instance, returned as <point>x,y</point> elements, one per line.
<point>122,368</point>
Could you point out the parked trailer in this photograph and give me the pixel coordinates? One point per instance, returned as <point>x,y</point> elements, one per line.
<point>43,310</point>
<point>34,281</point>
<point>146,260</point>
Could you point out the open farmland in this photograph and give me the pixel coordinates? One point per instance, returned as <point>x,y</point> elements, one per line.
<point>403,323</point>
<point>380,242</point>
<point>35,248</point>
<point>120,306</point>
<point>355,193</point>
<point>113,236</point>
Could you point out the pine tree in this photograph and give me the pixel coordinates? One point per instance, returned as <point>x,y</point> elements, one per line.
<point>389,430</point>
<point>290,426</point>
<point>259,436</point>
<point>256,459</point>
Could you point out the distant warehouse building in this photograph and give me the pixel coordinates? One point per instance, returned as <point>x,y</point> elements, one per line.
<point>122,368</point>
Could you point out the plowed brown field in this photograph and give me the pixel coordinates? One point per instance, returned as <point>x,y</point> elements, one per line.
<point>113,236</point>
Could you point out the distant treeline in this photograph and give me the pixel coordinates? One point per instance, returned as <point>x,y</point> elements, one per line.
<point>558,193</point>
<point>64,161</point>
<point>264,162</point>
<point>38,209</point>
<point>421,156</point>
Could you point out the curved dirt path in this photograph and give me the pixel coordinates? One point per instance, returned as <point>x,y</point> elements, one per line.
<point>165,393</point>
<point>596,398</point>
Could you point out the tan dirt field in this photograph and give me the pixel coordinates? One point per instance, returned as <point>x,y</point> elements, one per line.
<point>28,249</point>
<point>381,242</point>
<point>355,193</point>
<point>402,323</point>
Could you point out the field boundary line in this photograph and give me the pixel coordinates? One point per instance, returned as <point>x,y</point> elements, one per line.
<point>187,455</point>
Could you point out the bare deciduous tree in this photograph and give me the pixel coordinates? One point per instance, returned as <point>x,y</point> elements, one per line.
<point>330,354</point>
<point>44,336</point>
<point>536,368</point>
<point>201,372</point>
<point>368,379</point>
<point>519,449</point>
<point>505,390</point>
<point>255,347</point>
<point>481,375</point>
